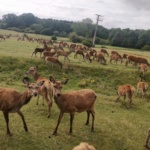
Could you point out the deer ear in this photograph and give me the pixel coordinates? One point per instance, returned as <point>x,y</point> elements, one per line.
<point>40,83</point>
<point>26,80</point>
<point>52,79</point>
<point>65,81</point>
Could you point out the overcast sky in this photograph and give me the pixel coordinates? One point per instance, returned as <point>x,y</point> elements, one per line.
<point>133,14</point>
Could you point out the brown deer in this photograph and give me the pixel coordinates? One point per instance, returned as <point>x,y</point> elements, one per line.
<point>104,51</point>
<point>79,52</point>
<point>142,87</point>
<point>143,68</point>
<point>11,101</point>
<point>46,90</point>
<point>48,54</point>
<point>116,58</point>
<point>64,54</point>
<point>126,90</point>
<point>53,60</point>
<point>38,50</point>
<point>71,102</point>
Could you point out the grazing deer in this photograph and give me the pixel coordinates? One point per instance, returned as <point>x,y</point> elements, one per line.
<point>116,58</point>
<point>11,101</point>
<point>38,50</point>
<point>142,87</point>
<point>126,90</point>
<point>104,51</point>
<point>71,102</point>
<point>46,90</point>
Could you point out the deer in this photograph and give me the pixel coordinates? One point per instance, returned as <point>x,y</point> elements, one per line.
<point>84,146</point>
<point>142,87</point>
<point>48,53</point>
<point>73,101</point>
<point>142,67</point>
<point>11,101</point>
<point>104,51</point>
<point>2,37</point>
<point>63,53</point>
<point>79,52</point>
<point>53,60</point>
<point>46,90</point>
<point>126,90</point>
<point>38,50</point>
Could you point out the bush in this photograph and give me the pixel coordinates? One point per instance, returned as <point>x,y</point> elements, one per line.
<point>75,38</point>
<point>54,38</point>
<point>87,43</point>
<point>146,47</point>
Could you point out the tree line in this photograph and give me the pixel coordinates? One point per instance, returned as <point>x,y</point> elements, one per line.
<point>80,32</point>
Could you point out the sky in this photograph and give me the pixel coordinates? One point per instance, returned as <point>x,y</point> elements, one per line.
<point>133,14</point>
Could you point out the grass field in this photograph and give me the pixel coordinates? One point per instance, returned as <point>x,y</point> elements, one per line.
<point>116,127</point>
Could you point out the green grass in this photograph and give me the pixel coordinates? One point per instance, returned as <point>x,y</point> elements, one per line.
<point>116,127</point>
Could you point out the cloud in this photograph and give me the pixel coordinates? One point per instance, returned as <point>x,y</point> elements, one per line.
<point>139,5</point>
<point>116,13</point>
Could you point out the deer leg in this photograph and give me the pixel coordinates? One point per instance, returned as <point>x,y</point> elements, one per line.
<point>7,122</point>
<point>124,97</point>
<point>147,139</point>
<point>71,121</point>
<point>93,118</point>
<point>58,122</point>
<point>118,98</point>
<point>88,116</point>
<point>50,103</point>
<point>22,117</point>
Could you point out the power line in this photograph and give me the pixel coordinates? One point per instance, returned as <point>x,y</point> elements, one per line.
<point>97,21</point>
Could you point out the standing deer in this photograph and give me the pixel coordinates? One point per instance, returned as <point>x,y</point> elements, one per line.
<point>53,60</point>
<point>126,90</point>
<point>64,54</point>
<point>38,50</point>
<point>142,87</point>
<point>71,102</point>
<point>46,90</point>
<point>11,101</point>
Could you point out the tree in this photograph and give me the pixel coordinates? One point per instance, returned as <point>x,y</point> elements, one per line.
<point>87,21</point>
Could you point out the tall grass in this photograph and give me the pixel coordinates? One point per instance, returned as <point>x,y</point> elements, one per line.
<point>116,127</point>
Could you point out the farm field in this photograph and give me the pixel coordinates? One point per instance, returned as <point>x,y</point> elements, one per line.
<point>116,127</point>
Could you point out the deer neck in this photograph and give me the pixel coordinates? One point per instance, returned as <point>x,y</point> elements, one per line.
<point>36,76</point>
<point>25,98</point>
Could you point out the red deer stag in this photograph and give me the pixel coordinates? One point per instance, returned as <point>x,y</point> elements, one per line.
<point>126,90</point>
<point>46,90</point>
<point>11,101</point>
<point>71,102</point>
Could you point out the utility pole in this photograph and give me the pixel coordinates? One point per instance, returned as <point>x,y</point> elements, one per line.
<point>98,19</point>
